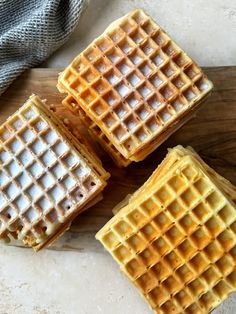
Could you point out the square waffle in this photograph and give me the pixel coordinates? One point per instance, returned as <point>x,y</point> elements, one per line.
<point>176,237</point>
<point>47,177</point>
<point>136,85</point>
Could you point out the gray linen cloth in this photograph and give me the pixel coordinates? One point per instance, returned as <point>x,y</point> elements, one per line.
<point>30,30</point>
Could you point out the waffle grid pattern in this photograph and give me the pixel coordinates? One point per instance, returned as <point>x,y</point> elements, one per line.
<point>72,123</point>
<point>43,181</point>
<point>178,245</point>
<point>134,81</point>
<point>97,133</point>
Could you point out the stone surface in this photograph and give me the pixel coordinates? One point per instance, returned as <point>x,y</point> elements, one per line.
<point>89,282</point>
<point>52,282</point>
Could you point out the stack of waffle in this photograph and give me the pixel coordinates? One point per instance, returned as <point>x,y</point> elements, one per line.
<point>133,87</point>
<point>47,176</point>
<point>176,237</point>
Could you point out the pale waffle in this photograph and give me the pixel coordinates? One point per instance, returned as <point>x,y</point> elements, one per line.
<point>47,177</point>
<point>73,123</point>
<point>136,84</point>
<point>176,238</point>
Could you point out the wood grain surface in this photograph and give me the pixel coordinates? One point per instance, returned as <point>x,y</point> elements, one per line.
<point>212,133</point>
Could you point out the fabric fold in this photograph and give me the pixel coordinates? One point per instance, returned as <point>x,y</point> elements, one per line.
<point>31,30</point>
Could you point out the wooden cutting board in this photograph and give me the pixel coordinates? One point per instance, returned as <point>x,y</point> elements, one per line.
<point>212,133</point>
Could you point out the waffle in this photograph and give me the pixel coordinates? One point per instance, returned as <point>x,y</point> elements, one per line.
<point>96,133</point>
<point>47,177</point>
<point>73,123</point>
<point>176,237</point>
<point>136,85</point>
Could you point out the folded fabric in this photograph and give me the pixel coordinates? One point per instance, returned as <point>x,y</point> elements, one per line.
<point>31,30</point>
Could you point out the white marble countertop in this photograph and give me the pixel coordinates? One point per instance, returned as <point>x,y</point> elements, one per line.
<point>89,282</point>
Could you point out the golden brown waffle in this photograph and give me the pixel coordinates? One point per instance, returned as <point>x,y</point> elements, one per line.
<point>96,132</point>
<point>136,84</point>
<point>176,238</point>
<point>47,177</point>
